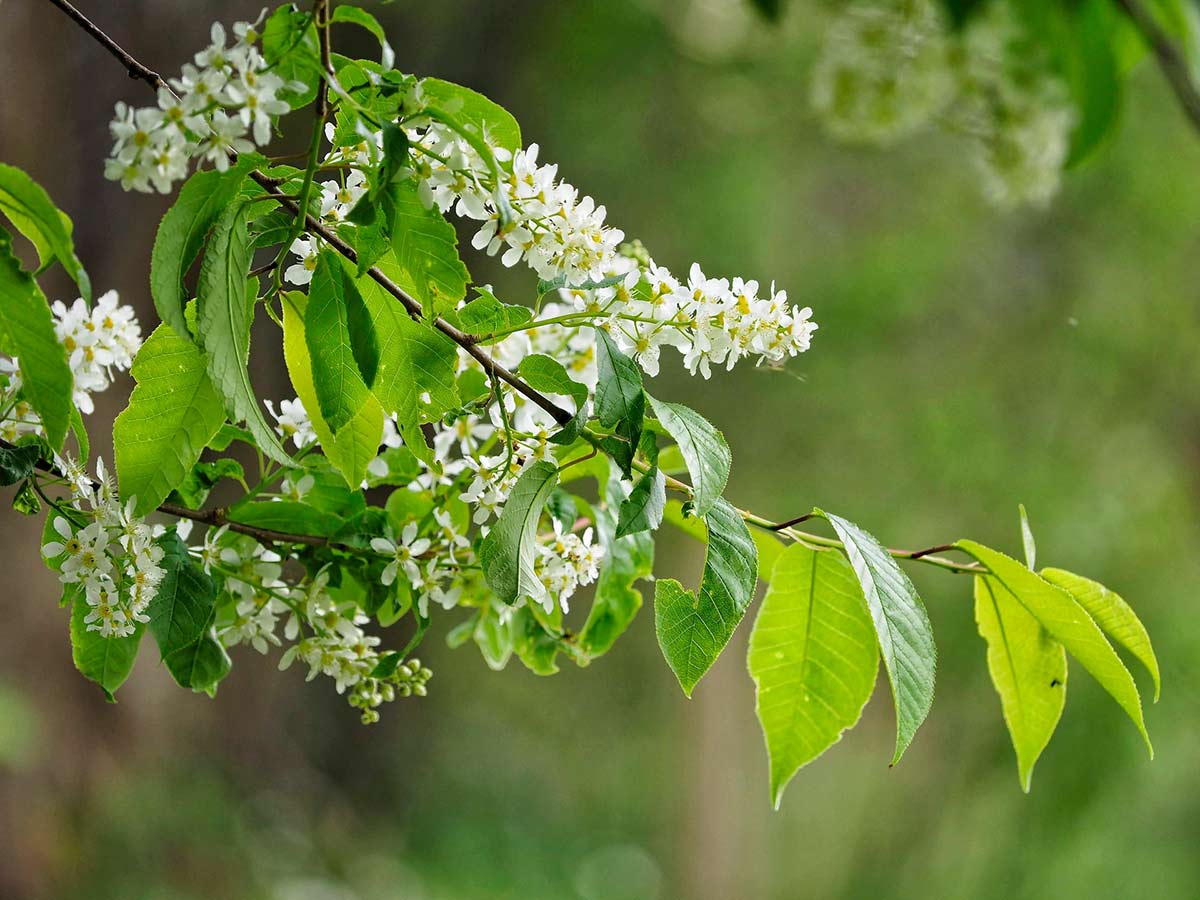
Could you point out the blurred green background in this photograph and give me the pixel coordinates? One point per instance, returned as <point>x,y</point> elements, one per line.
<point>967,360</point>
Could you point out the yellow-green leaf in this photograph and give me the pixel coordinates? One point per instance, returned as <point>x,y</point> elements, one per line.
<point>1112,614</point>
<point>1028,668</point>
<point>1070,624</point>
<point>813,658</point>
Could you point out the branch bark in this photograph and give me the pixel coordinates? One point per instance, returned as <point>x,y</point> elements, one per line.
<point>469,342</point>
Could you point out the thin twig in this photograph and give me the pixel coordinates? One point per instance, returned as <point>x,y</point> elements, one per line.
<point>216,516</point>
<point>470,342</point>
<point>1172,63</point>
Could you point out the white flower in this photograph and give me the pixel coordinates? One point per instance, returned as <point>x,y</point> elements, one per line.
<point>404,553</point>
<point>227,136</point>
<point>307,249</point>
<point>292,421</point>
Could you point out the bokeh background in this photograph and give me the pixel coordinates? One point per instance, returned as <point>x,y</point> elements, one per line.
<point>967,360</point>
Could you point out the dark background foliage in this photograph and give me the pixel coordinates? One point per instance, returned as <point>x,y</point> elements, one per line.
<point>966,360</point>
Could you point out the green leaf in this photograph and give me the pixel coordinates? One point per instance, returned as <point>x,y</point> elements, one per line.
<point>813,658</point>
<point>291,516</point>
<point>643,509</point>
<point>25,500</point>
<point>626,560</point>
<point>1112,614</point>
<point>225,312</point>
<point>290,45</point>
<point>1028,668</point>
<point>201,664</point>
<point>546,374</point>
<point>694,629</point>
<point>33,213</point>
<point>27,332</point>
<point>620,400</point>
<point>474,110</point>
<point>532,644</point>
<point>341,359</point>
<point>487,314</point>
<point>1027,539</point>
<point>1070,624</point>
<point>173,413</point>
<point>184,601</point>
<point>425,247</point>
<point>106,661</point>
<point>413,358</point>
<point>360,17</point>
<point>493,638</point>
<point>182,232</point>
<point>704,451</point>
<point>507,552</point>
<point>181,619</point>
<point>17,464</point>
<point>353,448</point>
<point>901,627</point>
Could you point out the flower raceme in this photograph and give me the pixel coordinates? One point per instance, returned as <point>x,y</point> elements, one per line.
<point>224,104</point>
<point>889,68</point>
<point>440,450</point>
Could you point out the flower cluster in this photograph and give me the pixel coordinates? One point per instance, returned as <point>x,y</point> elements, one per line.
<point>883,71</point>
<point>566,562</point>
<point>1016,112</point>
<point>99,341</point>
<point>326,633</point>
<point>891,67</point>
<point>216,106</point>
<point>106,551</point>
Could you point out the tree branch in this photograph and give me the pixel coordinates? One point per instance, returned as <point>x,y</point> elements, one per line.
<point>1174,67</point>
<point>469,342</point>
<point>216,516</point>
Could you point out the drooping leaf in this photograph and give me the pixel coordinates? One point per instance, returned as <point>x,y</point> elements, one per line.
<point>620,400</point>
<point>693,629</point>
<point>813,658</point>
<point>626,560</point>
<point>1069,623</point>
<point>225,312</point>
<point>27,332</point>
<point>1112,614</point>
<point>493,638</point>
<point>474,110</point>
<point>414,358</point>
<point>173,413</point>
<point>341,342</point>
<point>704,450</point>
<point>901,627</point>
<point>532,644</point>
<point>181,620</point>
<point>31,211</point>
<point>1028,668</point>
<point>353,448</point>
<point>507,552</point>
<point>182,232</point>
<point>104,660</point>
